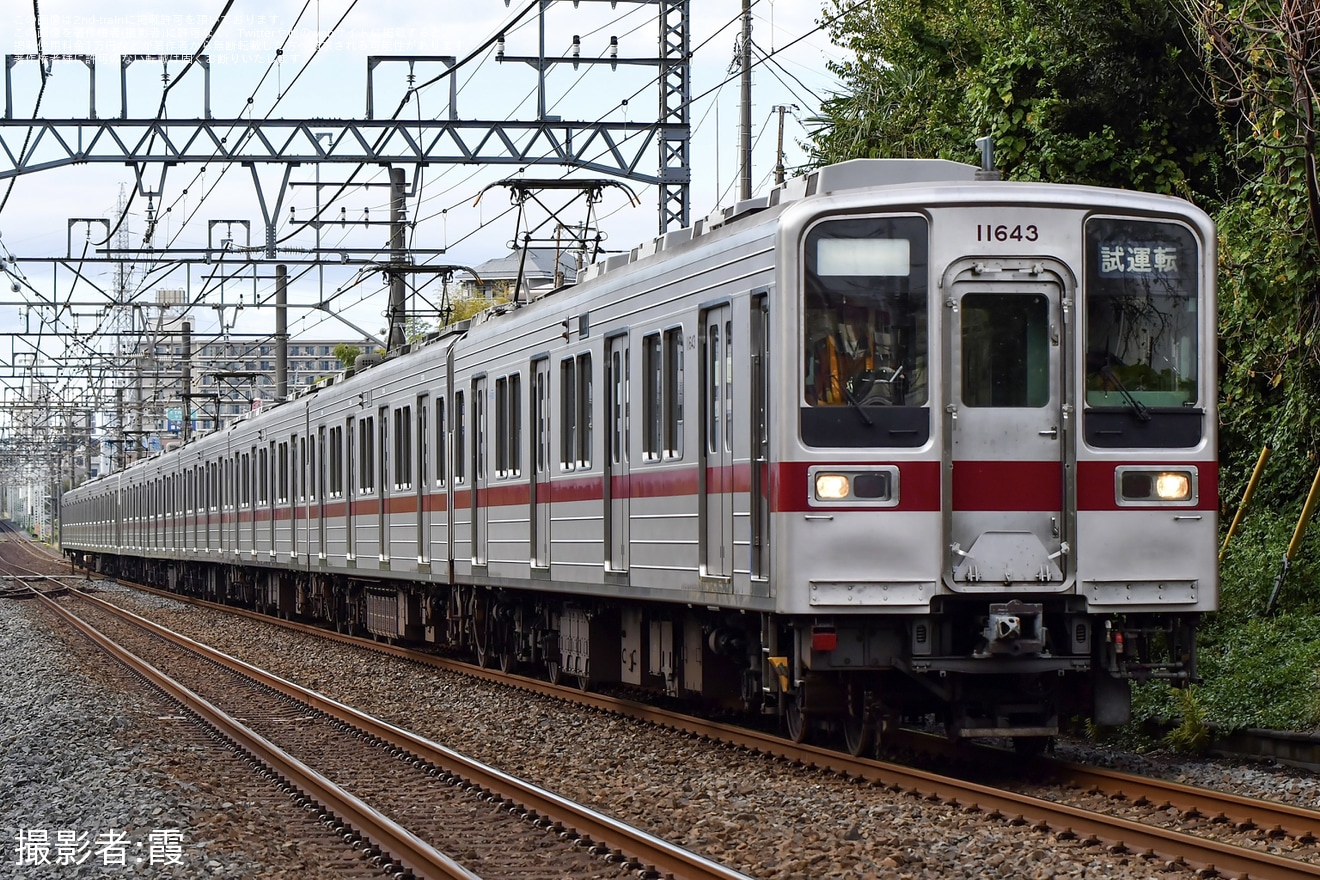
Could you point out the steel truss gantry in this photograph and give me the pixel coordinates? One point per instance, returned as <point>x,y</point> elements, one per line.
<point>612,147</point>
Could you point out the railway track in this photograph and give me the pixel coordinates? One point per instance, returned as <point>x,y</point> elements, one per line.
<point>360,772</point>
<point>1174,826</point>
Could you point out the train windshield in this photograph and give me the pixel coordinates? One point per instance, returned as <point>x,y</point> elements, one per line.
<point>864,312</point>
<point>1141,314</point>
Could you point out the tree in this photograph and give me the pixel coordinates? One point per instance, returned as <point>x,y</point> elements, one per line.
<point>346,353</point>
<point>1263,57</point>
<point>1082,91</point>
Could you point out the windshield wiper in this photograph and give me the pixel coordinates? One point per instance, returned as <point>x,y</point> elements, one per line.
<point>1138,408</point>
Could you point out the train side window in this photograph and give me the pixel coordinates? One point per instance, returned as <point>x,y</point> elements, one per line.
<point>336,462</point>
<point>515,425</point>
<point>1005,350</point>
<point>282,493</point>
<point>403,447</point>
<point>501,426</point>
<point>366,455</point>
<point>508,428</point>
<point>652,402</point>
<point>568,414</point>
<point>584,410</point>
<point>263,476</point>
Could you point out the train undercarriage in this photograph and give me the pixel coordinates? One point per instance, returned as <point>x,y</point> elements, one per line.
<point>1021,669</point>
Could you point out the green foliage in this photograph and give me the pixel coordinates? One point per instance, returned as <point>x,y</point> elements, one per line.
<point>346,353</point>
<point>468,306</point>
<point>1192,735</point>
<point>1081,92</point>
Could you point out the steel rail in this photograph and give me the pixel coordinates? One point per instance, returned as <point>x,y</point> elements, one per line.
<point>1173,845</point>
<point>402,845</point>
<point>655,852</point>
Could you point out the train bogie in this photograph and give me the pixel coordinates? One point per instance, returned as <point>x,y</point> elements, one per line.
<point>892,441</point>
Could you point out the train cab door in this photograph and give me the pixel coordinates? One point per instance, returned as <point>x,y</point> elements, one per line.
<point>617,488</point>
<point>1007,427</point>
<point>539,499</point>
<point>716,475</point>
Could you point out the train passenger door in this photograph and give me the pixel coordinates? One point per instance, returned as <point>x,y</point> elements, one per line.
<point>617,487</point>
<point>716,473</point>
<point>480,498</point>
<point>319,468</point>
<point>759,553</point>
<point>423,481</point>
<point>539,401</point>
<point>1008,424</point>
<point>384,468</point>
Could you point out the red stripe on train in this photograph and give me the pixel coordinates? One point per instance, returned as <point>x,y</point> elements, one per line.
<point>1007,485</point>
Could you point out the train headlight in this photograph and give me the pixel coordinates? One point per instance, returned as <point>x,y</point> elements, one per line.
<point>1173,487</point>
<point>866,486</point>
<point>831,487</point>
<point>1141,485</point>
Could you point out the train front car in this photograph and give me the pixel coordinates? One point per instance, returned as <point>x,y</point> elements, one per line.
<point>997,499</point>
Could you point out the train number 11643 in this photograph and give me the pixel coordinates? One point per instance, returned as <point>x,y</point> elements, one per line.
<point>1004,232</point>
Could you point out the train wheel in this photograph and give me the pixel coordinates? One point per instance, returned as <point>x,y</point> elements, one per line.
<point>554,671</point>
<point>508,660</point>
<point>481,630</point>
<point>506,643</point>
<point>795,720</point>
<point>859,724</point>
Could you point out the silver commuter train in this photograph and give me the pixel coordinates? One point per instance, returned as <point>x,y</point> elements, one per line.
<point>896,440</point>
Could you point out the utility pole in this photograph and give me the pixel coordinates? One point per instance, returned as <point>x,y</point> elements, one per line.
<point>745,124</point>
<point>779,150</point>
<point>398,227</point>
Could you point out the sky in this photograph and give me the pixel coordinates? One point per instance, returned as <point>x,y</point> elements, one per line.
<point>321,72</point>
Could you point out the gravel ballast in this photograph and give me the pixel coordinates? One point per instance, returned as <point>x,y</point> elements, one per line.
<point>765,818</point>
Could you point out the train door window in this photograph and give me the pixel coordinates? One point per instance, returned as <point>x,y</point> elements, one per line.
<point>313,491</point>
<point>541,417</point>
<point>1005,350</point>
<point>728,385</point>
<point>618,403</point>
<point>715,387</point>
<point>245,481</point>
<point>479,429</point>
<point>673,393</point>
<point>423,439</point>
<point>335,462</point>
<point>301,494</point>
<point>460,438</point>
<point>652,389</point>
<point>350,462</point>
<point>366,455</point>
<point>403,447</point>
<point>383,444</point>
<point>440,444</point>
